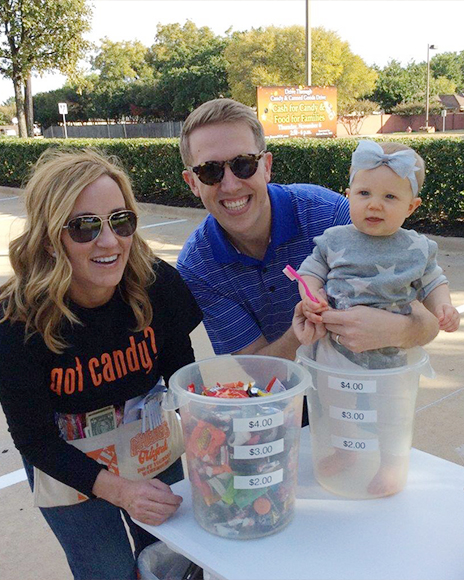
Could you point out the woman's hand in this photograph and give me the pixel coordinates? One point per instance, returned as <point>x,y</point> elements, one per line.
<point>149,501</point>
<point>307,332</point>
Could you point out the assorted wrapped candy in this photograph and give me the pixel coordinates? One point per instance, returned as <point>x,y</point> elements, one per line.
<point>242,459</point>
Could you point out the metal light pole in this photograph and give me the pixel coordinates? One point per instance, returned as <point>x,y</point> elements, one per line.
<point>429,48</point>
<point>308,44</point>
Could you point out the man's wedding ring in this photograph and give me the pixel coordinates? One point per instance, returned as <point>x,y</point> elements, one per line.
<point>337,339</point>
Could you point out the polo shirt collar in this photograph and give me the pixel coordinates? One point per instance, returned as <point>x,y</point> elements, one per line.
<point>284,227</point>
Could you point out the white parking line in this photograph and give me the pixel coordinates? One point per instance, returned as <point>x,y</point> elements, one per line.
<point>8,198</point>
<point>162,224</point>
<point>12,478</point>
<point>439,400</point>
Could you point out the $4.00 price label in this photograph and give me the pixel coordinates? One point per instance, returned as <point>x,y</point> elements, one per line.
<point>353,415</point>
<point>255,481</point>
<point>259,423</point>
<point>352,385</point>
<point>262,450</point>
<point>355,444</point>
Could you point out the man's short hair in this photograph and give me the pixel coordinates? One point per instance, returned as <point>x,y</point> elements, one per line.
<point>219,111</point>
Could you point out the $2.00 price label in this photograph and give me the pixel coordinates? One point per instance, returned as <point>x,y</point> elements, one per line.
<point>355,444</point>
<point>259,423</point>
<point>352,385</point>
<point>262,450</point>
<point>261,480</point>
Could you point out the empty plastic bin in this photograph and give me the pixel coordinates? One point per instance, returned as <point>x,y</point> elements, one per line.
<point>158,562</point>
<point>361,423</point>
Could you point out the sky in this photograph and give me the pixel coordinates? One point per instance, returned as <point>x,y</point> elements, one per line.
<point>376,30</point>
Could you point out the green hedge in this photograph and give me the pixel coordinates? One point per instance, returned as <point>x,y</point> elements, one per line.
<point>155,167</point>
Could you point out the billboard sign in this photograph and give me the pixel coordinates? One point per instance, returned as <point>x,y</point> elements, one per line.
<point>298,111</point>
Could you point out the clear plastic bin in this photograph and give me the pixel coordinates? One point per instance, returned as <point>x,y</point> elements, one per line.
<point>158,562</point>
<point>361,423</point>
<point>242,453</point>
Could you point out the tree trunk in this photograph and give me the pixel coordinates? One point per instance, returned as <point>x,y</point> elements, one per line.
<point>29,109</point>
<point>18,89</point>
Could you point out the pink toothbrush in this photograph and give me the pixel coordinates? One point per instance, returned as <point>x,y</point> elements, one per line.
<point>293,275</point>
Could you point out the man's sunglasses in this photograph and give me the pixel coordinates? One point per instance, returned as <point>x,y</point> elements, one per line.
<point>242,166</point>
<point>86,228</point>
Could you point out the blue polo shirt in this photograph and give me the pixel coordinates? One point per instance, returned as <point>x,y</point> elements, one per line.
<point>242,297</point>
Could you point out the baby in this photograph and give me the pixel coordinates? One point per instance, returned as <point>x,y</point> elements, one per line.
<point>375,262</point>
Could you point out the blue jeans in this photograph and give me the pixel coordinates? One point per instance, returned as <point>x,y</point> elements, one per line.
<point>93,536</point>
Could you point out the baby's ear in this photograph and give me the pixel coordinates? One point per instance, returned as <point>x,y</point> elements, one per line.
<point>347,192</point>
<point>415,203</point>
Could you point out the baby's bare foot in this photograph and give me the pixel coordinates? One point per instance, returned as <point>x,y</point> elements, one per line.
<point>388,480</point>
<point>337,462</point>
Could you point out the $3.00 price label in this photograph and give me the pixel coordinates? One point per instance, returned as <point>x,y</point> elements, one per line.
<point>259,423</point>
<point>352,385</point>
<point>262,450</point>
<point>355,444</point>
<point>255,481</point>
<point>353,415</point>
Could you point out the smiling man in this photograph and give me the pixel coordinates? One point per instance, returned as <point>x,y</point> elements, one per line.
<point>233,261</point>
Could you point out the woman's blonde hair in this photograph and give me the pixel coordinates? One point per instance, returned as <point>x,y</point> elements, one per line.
<point>36,293</point>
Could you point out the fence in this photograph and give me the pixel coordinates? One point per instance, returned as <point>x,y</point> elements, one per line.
<point>116,131</point>
<point>369,125</point>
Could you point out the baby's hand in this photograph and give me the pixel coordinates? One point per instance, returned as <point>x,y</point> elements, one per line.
<point>448,317</point>
<point>310,307</point>
<point>306,331</point>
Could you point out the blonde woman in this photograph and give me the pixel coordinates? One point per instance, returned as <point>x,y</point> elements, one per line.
<point>90,320</point>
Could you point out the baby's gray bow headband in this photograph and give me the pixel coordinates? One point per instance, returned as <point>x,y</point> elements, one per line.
<point>369,155</point>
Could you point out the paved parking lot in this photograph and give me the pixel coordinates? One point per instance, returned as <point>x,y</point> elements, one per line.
<point>28,550</point>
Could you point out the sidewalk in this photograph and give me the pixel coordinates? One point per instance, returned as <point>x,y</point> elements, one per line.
<point>29,551</point>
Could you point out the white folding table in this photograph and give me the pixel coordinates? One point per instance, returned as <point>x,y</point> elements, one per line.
<point>417,534</point>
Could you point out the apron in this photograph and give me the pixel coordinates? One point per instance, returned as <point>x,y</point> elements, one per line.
<point>139,449</point>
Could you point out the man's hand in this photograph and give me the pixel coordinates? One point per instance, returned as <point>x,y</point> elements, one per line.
<point>306,331</point>
<point>363,328</point>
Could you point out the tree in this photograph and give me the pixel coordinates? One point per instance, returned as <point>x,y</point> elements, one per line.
<point>449,65</point>
<point>36,36</point>
<point>397,84</point>
<point>7,111</point>
<point>189,68</point>
<point>121,62</point>
<point>352,117</point>
<point>417,108</point>
<point>276,56</point>
<point>46,110</point>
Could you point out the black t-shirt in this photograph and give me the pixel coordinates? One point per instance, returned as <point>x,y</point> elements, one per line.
<point>106,363</point>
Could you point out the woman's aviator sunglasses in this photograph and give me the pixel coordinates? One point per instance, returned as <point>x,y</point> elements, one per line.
<point>242,166</point>
<point>86,228</point>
